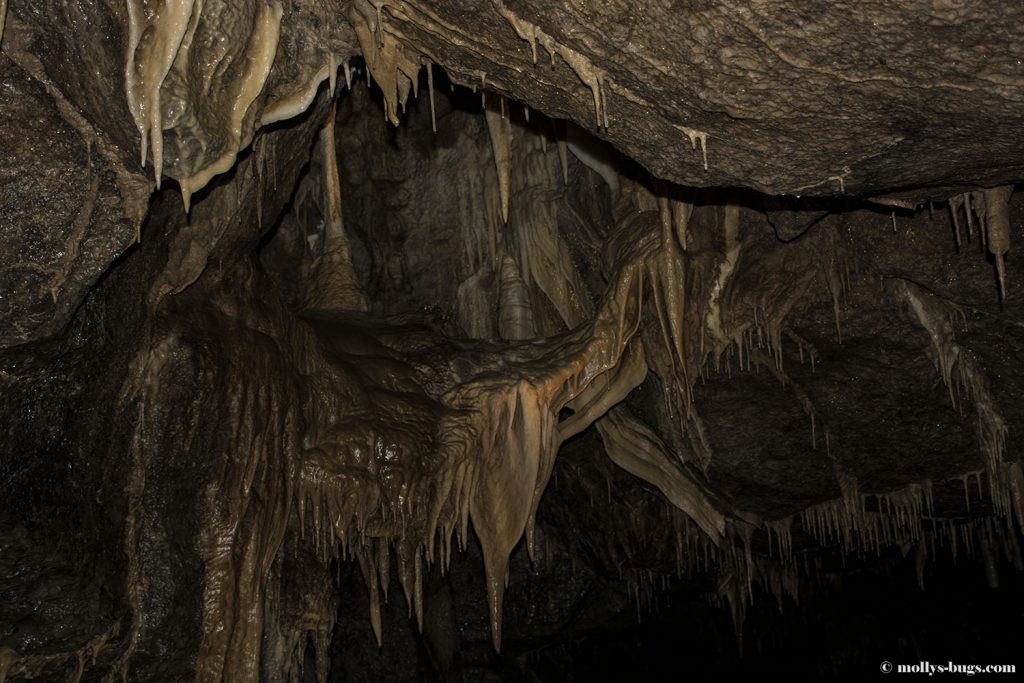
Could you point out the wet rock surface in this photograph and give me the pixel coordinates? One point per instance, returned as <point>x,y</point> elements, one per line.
<point>295,415</point>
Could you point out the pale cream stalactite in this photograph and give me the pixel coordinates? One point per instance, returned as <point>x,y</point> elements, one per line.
<point>394,65</point>
<point>696,136</point>
<point>976,201</point>
<point>475,306</point>
<point>583,67</point>
<point>259,56</point>
<point>293,106</point>
<point>681,212</point>
<point>990,208</point>
<point>155,32</point>
<point>499,125</point>
<point>997,219</point>
<point>3,18</point>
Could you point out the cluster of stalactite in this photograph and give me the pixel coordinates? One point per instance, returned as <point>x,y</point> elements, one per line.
<point>331,434</point>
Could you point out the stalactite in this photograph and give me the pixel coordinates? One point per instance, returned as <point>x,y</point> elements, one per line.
<point>638,450</point>
<point>393,64</point>
<point>725,271</point>
<point>538,245</point>
<point>259,55</point>
<point>334,285</point>
<point>955,204</point>
<point>430,87</point>
<point>154,36</point>
<point>997,220</point>
<point>500,128</point>
<point>694,137</point>
<point>974,203</point>
<point>515,314</point>
<point>592,76</point>
<point>563,159</point>
<point>959,368</point>
<point>285,108</point>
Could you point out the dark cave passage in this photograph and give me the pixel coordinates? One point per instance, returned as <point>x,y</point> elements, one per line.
<point>410,370</point>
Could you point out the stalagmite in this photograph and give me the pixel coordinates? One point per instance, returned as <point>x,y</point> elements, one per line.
<point>500,129</point>
<point>997,219</point>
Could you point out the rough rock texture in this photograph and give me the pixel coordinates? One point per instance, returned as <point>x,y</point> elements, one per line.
<point>593,328</point>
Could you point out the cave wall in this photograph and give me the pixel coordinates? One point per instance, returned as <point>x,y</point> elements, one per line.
<point>189,372</point>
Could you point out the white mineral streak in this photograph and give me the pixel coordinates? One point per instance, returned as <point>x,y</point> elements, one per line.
<point>594,154</point>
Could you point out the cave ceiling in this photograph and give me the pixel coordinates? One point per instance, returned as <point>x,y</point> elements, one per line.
<point>292,286</point>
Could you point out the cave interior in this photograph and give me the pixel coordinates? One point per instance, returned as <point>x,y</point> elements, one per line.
<point>506,340</point>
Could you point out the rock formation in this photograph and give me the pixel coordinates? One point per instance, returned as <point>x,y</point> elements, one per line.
<point>346,339</point>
